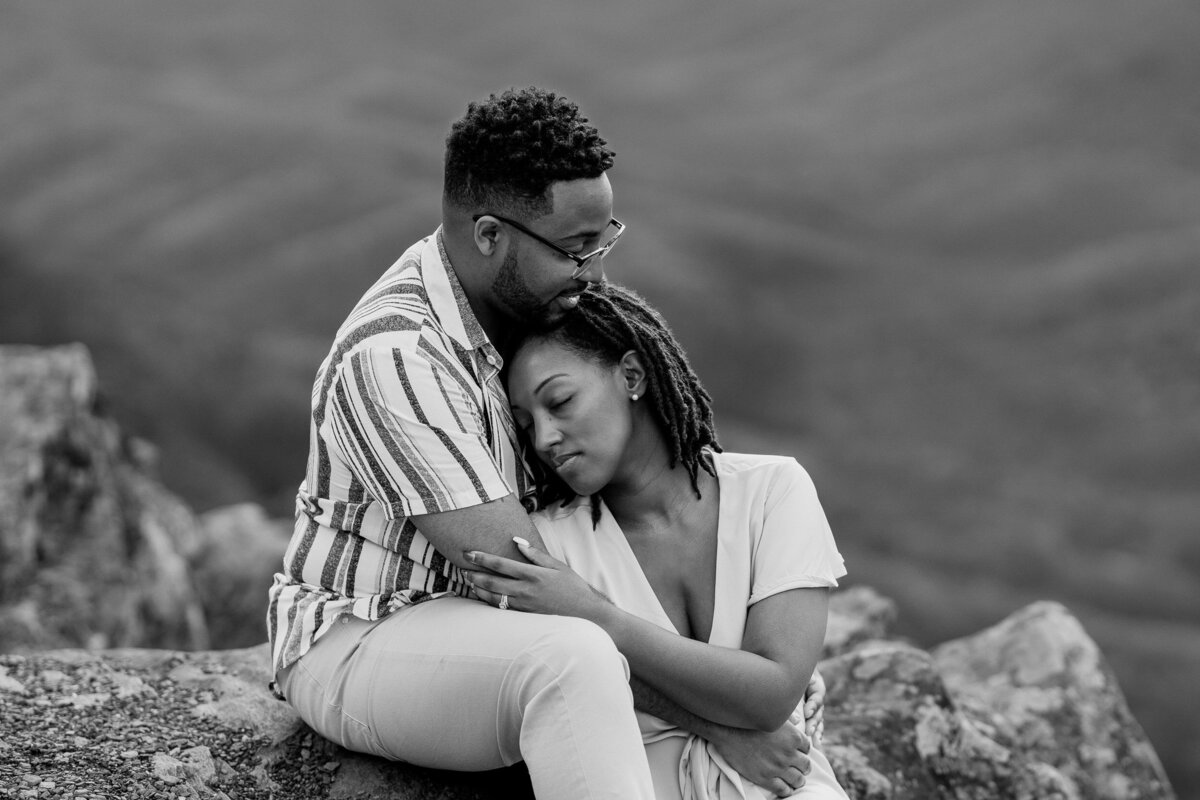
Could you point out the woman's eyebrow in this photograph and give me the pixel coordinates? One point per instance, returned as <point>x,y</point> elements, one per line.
<point>538,388</point>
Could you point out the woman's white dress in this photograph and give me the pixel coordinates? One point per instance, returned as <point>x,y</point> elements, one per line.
<point>772,536</point>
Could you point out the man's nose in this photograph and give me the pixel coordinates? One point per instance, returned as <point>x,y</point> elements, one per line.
<point>593,271</point>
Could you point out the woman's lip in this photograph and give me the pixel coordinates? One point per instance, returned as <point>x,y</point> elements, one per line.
<point>562,461</point>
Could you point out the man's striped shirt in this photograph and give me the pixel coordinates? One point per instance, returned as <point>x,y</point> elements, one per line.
<point>408,417</point>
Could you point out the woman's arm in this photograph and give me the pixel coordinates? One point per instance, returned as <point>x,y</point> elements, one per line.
<point>764,758</point>
<point>755,687</point>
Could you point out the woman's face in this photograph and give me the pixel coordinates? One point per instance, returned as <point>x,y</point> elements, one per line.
<point>575,410</point>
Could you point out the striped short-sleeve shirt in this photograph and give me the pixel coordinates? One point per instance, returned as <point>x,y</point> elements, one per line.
<point>409,416</point>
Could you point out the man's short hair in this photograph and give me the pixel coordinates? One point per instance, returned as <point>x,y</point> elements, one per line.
<point>504,154</point>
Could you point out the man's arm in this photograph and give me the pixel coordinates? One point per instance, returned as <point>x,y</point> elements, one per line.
<point>487,527</point>
<point>419,453</point>
<point>648,699</point>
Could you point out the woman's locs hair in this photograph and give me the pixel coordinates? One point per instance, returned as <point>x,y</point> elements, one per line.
<point>611,320</point>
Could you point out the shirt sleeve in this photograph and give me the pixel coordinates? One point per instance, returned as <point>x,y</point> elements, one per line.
<point>412,432</point>
<point>794,548</point>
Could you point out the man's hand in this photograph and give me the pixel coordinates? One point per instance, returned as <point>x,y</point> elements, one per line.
<point>777,761</point>
<point>814,707</point>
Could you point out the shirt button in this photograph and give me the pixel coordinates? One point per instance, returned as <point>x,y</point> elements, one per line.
<point>491,360</point>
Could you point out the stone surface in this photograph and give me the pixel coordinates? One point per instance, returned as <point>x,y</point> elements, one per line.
<point>856,615</point>
<point>1037,681</point>
<point>1024,710</point>
<point>92,549</point>
<point>240,549</point>
<point>203,723</point>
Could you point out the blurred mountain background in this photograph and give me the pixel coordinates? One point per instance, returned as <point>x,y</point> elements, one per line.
<point>944,253</point>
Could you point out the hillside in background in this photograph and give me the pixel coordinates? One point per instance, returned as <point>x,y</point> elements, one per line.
<point>945,254</point>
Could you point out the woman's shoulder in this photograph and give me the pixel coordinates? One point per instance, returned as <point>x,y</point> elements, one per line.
<point>758,465</point>
<point>561,524</point>
<point>764,479</point>
<point>563,517</point>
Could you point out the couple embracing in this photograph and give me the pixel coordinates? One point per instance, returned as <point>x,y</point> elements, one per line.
<point>518,539</point>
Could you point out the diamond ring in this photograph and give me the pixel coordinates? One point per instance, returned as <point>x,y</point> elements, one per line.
<point>503,602</point>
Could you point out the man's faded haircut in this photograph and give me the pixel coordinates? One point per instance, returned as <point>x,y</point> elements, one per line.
<point>504,154</point>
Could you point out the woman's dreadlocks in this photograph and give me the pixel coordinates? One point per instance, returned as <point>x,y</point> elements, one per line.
<point>611,320</point>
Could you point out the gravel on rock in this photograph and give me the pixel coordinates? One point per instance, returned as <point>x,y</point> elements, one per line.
<point>84,730</point>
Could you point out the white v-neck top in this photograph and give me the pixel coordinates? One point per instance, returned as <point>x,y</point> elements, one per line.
<point>772,536</point>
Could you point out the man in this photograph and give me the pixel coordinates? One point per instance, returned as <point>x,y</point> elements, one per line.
<point>413,462</point>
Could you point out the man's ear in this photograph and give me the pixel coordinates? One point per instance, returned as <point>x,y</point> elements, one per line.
<point>487,234</point>
<point>633,371</point>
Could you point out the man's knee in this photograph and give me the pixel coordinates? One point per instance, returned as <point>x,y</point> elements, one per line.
<point>576,648</point>
<point>569,677</point>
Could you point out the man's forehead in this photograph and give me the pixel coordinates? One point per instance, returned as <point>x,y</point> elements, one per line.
<point>583,204</point>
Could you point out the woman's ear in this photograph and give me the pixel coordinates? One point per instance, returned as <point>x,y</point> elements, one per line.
<point>633,372</point>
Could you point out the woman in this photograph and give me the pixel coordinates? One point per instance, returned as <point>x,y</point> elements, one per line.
<point>710,571</point>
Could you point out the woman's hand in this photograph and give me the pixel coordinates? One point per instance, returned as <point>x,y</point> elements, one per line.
<point>545,585</point>
<point>777,761</point>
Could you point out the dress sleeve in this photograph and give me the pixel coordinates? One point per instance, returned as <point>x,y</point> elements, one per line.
<point>413,433</point>
<point>794,548</point>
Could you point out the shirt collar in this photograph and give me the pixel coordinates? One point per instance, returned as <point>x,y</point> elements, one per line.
<point>447,298</point>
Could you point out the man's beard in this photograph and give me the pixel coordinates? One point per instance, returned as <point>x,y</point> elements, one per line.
<point>523,305</point>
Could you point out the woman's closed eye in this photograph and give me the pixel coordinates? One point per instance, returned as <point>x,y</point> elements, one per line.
<point>525,422</point>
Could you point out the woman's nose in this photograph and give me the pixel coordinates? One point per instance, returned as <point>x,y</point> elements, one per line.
<point>545,435</point>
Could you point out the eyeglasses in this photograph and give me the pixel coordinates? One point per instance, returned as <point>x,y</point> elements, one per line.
<point>581,261</point>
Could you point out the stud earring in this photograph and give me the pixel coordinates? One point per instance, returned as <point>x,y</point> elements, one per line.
<point>633,397</point>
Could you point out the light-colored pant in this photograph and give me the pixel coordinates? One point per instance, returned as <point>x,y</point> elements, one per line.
<point>456,684</point>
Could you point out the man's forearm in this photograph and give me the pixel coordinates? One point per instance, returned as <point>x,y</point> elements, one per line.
<point>648,699</point>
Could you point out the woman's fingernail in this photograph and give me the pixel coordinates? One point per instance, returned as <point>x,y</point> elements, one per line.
<point>469,556</point>
<point>521,542</point>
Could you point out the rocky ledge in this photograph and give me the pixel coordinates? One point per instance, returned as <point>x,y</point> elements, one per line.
<point>94,552</point>
<point>1026,709</point>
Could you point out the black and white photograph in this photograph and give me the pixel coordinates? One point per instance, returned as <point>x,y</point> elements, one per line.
<point>637,400</point>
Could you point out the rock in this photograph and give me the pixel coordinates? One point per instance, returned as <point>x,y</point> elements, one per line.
<point>92,548</point>
<point>856,615</point>
<point>10,685</point>
<point>1038,683</point>
<point>241,549</point>
<point>1025,710</point>
<point>52,678</point>
<point>244,743</point>
<point>198,765</point>
<point>129,685</point>
<point>167,769</point>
